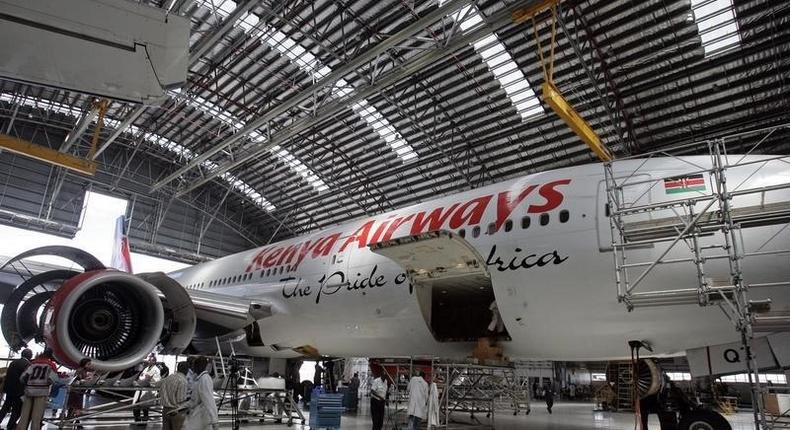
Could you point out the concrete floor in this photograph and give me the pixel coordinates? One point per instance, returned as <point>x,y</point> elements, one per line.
<point>566,416</point>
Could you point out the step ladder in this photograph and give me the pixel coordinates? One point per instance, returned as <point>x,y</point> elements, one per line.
<point>625,387</point>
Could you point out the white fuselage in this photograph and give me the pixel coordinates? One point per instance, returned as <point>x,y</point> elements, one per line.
<point>554,284</point>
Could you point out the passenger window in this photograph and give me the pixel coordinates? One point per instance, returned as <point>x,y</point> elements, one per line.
<point>491,228</point>
<point>281,269</point>
<point>564,216</point>
<point>462,233</point>
<point>544,219</point>
<point>508,225</point>
<point>268,272</point>
<point>525,222</point>
<point>476,231</point>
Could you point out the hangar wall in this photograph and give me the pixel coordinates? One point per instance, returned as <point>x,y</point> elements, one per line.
<point>49,199</point>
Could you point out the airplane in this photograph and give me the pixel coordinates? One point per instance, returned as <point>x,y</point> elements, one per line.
<point>527,261</point>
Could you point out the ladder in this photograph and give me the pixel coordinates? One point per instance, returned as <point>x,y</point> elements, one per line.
<point>625,387</point>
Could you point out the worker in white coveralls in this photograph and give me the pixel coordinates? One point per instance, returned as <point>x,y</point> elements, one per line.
<point>203,409</point>
<point>418,401</point>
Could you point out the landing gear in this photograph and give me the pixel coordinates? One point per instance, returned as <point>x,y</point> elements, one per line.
<point>702,419</point>
<point>659,395</point>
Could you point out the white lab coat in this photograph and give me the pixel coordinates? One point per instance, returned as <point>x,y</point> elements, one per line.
<point>418,397</point>
<point>433,406</point>
<point>149,376</point>
<point>203,409</point>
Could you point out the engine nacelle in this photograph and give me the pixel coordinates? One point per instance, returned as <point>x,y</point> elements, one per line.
<point>114,318</point>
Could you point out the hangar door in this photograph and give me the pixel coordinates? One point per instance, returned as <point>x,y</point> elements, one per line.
<point>451,284</point>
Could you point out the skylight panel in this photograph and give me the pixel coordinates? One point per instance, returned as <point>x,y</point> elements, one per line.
<point>309,63</point>
<point>717,26</point>
<point>300,168</point>
<point>256,136</point>
<point>152,138</point>
<point>37,103</point>
<point>385,130</point>
<point>501,64</point>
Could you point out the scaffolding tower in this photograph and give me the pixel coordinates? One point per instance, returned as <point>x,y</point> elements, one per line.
<point>703,227</point>
<point>479,390</point>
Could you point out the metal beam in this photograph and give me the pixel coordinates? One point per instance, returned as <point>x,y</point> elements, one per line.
<point>118,131</point>
<point>405,70</point>
<point>80,127</point>
<point>565,111</point>
<point>205,44</point>
<point>13,118</point>
<point>47,155</point>
<point>328,80</point>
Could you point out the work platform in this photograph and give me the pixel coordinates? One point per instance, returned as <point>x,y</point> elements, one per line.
<point>709,220</point>
<point>470,394</point>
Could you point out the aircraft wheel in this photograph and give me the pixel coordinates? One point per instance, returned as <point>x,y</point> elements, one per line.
<point>703,420</point>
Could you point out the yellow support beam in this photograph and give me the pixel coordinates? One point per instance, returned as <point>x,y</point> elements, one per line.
<point>523,15</point>
<point>551,94</point>
<point>47,155</point>
<point>554,98</point>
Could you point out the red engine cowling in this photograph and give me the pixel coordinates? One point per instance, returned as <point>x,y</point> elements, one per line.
<point>114,318</point>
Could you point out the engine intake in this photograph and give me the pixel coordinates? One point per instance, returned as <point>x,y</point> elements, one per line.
<point>114,318</point>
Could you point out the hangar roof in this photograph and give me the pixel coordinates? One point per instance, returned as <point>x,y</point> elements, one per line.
<point>301,114</point>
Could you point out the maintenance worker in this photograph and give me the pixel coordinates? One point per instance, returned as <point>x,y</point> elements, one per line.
<point>548,395</point>
<point>173,396</point>
<point>378,395</point>
<point>353,390</point>
<point>14,388</point>
<point>38,378</point>
<point>149,376</point>
<point>203,409</point>
<point>84,375</point>
<point>418,401</point>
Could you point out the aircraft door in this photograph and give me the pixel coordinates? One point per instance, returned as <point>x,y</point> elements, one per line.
<point>451,284</point>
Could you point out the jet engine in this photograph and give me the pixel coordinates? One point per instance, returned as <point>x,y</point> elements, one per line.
<point>648,378</point>
<point>111,317</point>
<point>114,318</point>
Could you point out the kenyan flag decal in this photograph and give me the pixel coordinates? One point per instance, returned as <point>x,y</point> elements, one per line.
<point>684,184</point>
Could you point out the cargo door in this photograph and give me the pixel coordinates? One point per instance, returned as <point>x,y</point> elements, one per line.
<point>451,283</point>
